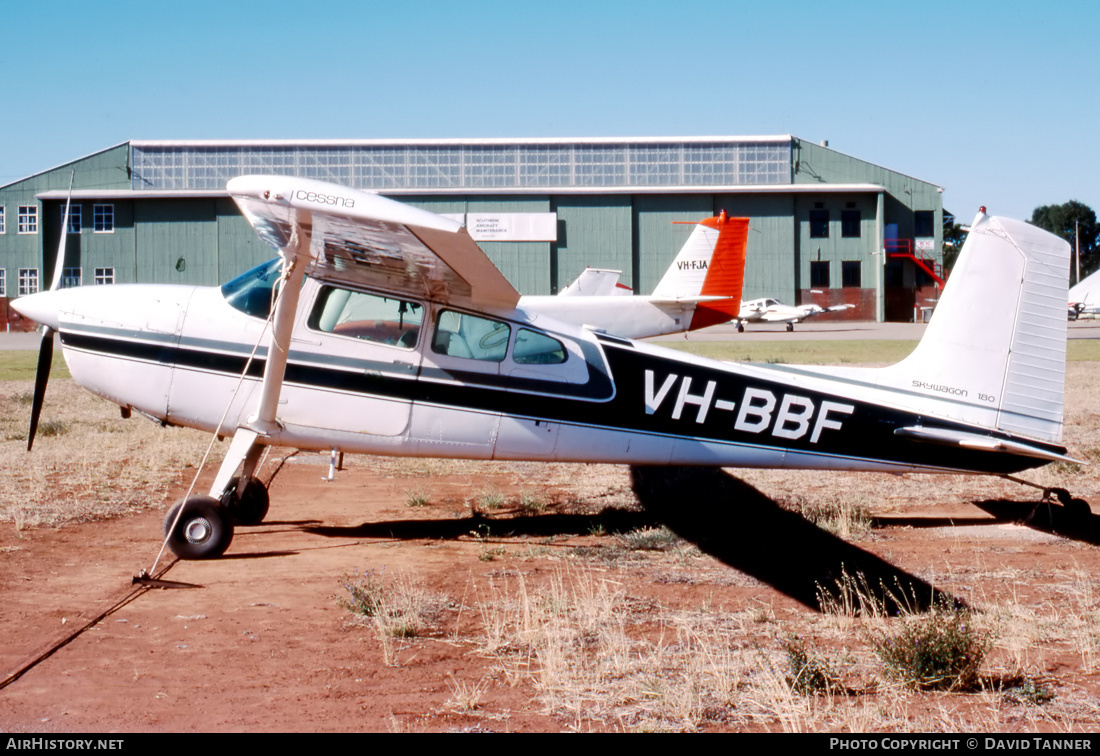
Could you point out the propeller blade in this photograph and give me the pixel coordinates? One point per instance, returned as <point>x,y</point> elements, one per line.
<point>41,378</point>
<point>59,261</point>
<point>45,348</point>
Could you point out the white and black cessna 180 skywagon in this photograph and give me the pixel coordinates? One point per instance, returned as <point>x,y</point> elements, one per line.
<point>392,333</point>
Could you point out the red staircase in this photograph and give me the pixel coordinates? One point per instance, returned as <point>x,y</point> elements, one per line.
<point>903,248</point>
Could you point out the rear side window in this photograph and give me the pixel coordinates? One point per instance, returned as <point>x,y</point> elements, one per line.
<point>459,334</point>
<point>537,349</point>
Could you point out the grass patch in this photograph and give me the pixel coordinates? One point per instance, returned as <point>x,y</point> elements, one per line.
<point>489,501</point>
<point>939,650</point>
<point>418,497</point>
<point>836,352</point>
<point>839,516</point>
<point>398,607</point>
<point>649,539</point>
<point>21,365</point>
<point>88,464</point>
<point>807,673</point>
<point>531,504</point>
<point>1083,350</point>
<point>799,352</point>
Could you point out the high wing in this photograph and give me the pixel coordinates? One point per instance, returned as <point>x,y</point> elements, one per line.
<point>355,237</point>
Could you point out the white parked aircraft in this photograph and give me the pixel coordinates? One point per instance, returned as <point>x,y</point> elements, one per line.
<point>770,310</point>
<point>701,288</point>
<point>1084,296</point>
<point>597,282</point>
<point>384,329</point>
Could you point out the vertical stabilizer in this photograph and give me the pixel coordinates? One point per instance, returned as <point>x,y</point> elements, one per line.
<point>710,264</point>
<point>995,349</point>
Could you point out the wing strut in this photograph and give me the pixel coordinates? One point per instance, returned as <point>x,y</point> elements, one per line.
<point>247,441</point>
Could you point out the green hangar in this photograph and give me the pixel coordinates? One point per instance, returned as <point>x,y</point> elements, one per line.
<point>824,227</point>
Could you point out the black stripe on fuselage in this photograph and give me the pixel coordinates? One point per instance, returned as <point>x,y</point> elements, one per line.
<point>686,399</point>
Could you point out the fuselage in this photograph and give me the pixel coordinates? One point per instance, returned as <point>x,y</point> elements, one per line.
<point>370,373</point>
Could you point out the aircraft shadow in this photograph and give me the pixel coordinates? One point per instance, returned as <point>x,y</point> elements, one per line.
<point>724,517</point>
<point>1046,518</point>
<point>737,524</point>
<point>545,525</point>
<point>897,521</point>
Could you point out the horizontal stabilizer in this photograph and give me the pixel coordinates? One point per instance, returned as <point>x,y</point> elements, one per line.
<point>685,300</point>
<point>983,443</point>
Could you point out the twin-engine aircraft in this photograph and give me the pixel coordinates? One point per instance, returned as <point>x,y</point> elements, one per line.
<point>384,329</point>
<point>770,310</point>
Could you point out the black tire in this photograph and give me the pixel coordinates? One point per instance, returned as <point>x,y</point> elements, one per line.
<point>204,530</point>
<point>790,327</point>
<point>740,328</point>
<point>251,508</point>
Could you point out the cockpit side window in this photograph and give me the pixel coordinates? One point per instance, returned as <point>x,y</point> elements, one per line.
<point>252,291</point>
<point>533,348</point>
<point>459,334</point>
<point>371,317</point>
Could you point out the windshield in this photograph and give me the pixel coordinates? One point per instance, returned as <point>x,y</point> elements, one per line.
<point>250,292</point>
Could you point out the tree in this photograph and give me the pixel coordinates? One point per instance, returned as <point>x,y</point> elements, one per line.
<point>953,237</point>
<point>1069,220</point>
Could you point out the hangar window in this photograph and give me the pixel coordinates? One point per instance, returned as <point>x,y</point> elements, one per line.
<point>28,219</point>
<point>2,230</point>
<point>28,281</point>
<point>924,224</point>
<point>819,224</point>
<point>458,334</point>
<point>3,283</point>
<point>104,276</point>
<point>71,277</point>
<point>76,218</point>
<point>850,223</point>
<point>383,320</point>
<point>851,276</point>
<point>103,219</point>
<point>819,274</point>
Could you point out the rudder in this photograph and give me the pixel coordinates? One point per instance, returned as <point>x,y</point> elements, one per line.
<point>996,344</point>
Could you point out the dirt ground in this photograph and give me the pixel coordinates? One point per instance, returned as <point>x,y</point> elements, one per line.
<point>259,640</point>
<point>562,597</point>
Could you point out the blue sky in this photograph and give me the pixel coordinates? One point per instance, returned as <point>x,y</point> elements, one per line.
<point>995,102</point>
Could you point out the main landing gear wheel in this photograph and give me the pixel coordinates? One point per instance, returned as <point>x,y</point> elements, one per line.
<point>252,505</point>
<point>740,327</point>
<point>204,529</point>
<point>790,327</point>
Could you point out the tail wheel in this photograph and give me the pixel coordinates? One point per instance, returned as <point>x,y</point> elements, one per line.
<point>250,508</point>
<point>203,529</point>
<point>1078,509</point>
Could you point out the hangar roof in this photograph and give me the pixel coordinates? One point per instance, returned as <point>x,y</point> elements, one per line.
<point>119,194</point>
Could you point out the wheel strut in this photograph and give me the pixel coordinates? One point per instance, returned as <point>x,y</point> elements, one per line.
<point>1077,508</point>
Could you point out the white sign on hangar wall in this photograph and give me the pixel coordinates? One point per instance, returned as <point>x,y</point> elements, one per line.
<point>509,226</point>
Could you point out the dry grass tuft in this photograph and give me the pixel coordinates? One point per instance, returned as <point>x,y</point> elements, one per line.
<point>92,466</point>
